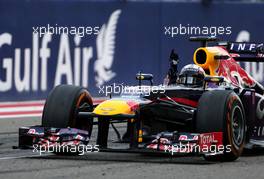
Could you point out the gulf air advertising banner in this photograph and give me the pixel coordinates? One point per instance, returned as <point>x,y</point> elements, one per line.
<point>93,44</point>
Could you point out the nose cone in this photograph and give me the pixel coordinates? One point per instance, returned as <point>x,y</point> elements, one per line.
<point>113,107</point>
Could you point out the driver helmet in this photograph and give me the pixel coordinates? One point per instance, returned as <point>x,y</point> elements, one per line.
<point>191,75</point>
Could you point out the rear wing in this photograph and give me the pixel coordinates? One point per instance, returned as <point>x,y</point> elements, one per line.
<point>245,51</point>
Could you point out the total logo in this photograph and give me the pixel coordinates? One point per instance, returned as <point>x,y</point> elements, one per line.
<point>28,69</point>
<point>207,139</point>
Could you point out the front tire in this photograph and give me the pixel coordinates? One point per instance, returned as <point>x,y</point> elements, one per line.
<point>62,107</point>
<point>223,111</point>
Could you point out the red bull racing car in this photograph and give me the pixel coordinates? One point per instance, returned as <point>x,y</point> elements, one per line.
<point>214,109</point>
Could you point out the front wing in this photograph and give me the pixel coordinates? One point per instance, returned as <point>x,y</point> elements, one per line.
<point>172,143</point>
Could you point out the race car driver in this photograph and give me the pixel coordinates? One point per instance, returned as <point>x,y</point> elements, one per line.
<point>191,76</point>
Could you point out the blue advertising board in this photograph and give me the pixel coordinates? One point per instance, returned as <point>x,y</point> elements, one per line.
<point>46,43</point>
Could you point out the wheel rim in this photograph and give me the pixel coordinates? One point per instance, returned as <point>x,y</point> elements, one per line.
<point>238,126</point>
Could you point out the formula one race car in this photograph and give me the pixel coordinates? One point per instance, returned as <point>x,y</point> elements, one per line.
<point>215,115</point>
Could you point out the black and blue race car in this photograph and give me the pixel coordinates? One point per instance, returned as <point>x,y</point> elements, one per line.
<point>214,109</point>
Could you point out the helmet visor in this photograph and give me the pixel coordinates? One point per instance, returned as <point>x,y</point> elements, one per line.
<point>191,80</point>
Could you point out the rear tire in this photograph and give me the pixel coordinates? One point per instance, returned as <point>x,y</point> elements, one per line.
<point>223,111</point>
<point>62,107</point>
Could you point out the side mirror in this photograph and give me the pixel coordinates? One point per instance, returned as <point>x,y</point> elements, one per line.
<point>144,76</point>
<point>213,79</point>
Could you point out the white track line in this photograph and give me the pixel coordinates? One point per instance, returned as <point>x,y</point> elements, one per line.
<point>18,157</point>
<point>20,116</point>
<point>22,102</point>
<point>15,109</point>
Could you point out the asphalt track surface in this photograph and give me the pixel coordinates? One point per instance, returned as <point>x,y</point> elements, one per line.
<point>16,163</point>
